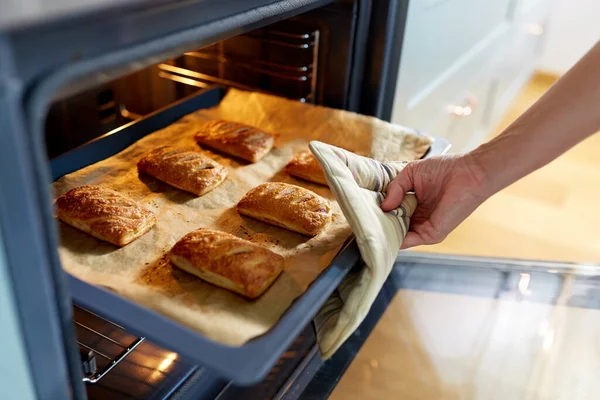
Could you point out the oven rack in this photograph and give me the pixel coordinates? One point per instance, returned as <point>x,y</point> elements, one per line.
<point>101,344</point>
<point>205,81</point>
<point>303,74</point>
<point>285,373</point>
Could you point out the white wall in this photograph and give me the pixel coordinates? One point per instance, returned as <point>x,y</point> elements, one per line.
<point>572,29</point>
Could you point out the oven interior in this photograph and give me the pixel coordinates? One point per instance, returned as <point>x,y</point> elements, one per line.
<point>307,57</point>
<point>279,59</point>
<point>293,59</point>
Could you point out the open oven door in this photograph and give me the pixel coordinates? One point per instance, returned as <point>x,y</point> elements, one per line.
<point>472,322</point>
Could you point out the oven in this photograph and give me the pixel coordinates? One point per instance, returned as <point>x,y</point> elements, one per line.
<point>77,86</point>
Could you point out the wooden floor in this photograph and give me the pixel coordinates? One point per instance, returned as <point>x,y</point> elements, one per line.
<point>553,214</point>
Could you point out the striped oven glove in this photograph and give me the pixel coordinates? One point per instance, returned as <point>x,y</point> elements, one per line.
<point>359,184</point>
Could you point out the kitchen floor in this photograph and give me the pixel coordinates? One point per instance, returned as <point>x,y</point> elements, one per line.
<point>550,215</point>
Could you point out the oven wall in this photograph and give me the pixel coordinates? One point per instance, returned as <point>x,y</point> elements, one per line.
<point>382,56</point>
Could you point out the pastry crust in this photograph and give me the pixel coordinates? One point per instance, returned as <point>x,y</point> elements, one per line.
<point>104,214</point>
<point>289,206</point>
<point>186,170</point>
<point>304,165</point>
<point>227,261</point>
<point>237,139</point>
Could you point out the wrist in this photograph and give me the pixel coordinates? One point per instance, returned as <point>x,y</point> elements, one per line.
<point>481,167</point>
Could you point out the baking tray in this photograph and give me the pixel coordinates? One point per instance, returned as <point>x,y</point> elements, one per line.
<point>245,364</point>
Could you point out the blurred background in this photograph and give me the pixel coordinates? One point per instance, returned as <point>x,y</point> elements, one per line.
<point>559,195</point>
<point>572,29</point>
<point>428,347</point>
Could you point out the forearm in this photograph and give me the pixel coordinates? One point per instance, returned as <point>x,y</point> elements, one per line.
<point>568,113</point>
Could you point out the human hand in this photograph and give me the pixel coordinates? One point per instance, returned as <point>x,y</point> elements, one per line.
<point>448,188</point>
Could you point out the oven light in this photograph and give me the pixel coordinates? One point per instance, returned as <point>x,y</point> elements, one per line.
<point>166,363</point>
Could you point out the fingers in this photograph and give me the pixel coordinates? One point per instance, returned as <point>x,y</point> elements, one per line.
<point>396,190</point>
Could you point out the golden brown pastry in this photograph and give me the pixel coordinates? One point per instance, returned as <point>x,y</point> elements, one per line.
<point>227,261</point>
<point>304,165</point>
<point>186,170</point>
<point>104,214</point>
<point>289,206</point>
<point>239,140</point>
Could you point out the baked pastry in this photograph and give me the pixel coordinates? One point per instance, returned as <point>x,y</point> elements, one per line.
<point>305,166</point>
<point>186,170</point>
<point>289,206</point>
<point>227,261</point>
<point>237,139</point>
<point>104,214</point>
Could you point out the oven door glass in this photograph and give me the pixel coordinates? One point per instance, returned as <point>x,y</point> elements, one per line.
<point>477,328</point>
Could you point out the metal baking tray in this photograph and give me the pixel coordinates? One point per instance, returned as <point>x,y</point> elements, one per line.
<point>245,364</point>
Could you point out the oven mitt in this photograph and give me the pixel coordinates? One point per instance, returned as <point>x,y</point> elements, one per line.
<point>359,184</point>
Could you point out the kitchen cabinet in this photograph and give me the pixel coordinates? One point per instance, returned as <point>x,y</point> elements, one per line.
<point>462,63</point>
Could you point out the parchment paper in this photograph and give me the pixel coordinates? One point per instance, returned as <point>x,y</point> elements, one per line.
<point>140,272</point>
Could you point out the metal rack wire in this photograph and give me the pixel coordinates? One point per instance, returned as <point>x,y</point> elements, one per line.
<point>267,69</point>
<point>102,343</point>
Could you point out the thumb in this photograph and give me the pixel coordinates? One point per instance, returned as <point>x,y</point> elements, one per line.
<point>396,190</point>
<point>411,240</point>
